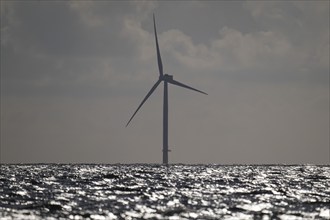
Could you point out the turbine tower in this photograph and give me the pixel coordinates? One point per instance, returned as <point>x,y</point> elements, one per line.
<point>167,79</point>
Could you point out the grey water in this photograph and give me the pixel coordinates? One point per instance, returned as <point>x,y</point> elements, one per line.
<point>144,191</point>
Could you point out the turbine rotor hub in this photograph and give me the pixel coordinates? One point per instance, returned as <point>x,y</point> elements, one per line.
<point>167,77</point>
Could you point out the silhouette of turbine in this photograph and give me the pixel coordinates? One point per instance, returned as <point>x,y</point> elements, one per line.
<point>166,79</point>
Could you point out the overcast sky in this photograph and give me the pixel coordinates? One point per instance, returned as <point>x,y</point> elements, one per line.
<point>73,73</point>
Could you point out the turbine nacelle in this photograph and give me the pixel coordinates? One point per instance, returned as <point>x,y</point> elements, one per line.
<point>166,77</point>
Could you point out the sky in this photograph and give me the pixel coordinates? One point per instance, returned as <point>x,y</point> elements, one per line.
<point>73,73</point>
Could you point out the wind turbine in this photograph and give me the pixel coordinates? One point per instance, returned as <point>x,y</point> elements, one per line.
<point>167,79</point>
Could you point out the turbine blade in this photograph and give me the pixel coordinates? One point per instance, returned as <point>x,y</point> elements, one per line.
<point>143,101</point>
<point>174,82</point>
<point>159,59</point>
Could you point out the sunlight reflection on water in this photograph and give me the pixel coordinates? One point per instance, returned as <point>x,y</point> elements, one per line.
<point>147,192</point>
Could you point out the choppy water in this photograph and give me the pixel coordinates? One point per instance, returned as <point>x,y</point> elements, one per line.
<point>148,192</point>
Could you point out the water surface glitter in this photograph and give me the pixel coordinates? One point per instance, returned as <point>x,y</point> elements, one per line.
<point>144,191</point>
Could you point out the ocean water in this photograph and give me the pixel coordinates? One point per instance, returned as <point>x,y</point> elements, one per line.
<point>144,191</point>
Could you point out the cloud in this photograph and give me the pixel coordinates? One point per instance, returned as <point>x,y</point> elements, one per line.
<point>97,40</point>
<point>82,48</point>
<point>304,24</point>
<point>232,51</point>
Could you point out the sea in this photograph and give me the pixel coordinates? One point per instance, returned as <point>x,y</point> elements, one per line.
<point>153,191</point>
